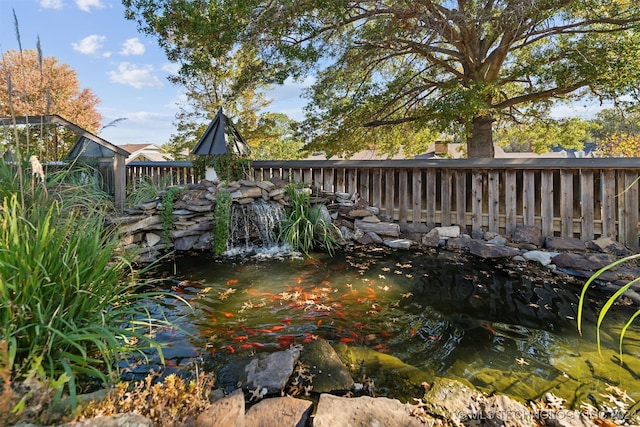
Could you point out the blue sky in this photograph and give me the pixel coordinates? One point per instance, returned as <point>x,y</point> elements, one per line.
<point>124,68</point>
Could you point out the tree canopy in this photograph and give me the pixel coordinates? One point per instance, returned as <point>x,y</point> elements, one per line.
<point>33,85</point>
<point>450,65</point>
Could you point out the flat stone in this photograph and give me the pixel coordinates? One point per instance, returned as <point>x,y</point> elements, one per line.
<point>527,234</point>
<point>589,262</point>
<point>185,243</point>
<point>449,232</point>
<point>266,185</point>
<point>365,411</point>
<point>272,370</point>
<point>152,239</point>
<point>458,243</point>
<point>569,244</point>
<point>488,250</point>
<point>329,372</point>
<point>382,228</point>
<point>227,412</point>
<point>359,213</point>
<point>398,243</point>
<point>280,412</point>
<point>610,246</point>
<point>118,420</point>
<point>542,257</point>
<point>141,225</point>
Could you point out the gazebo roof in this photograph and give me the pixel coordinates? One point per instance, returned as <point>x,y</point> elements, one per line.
<point>220,137</point>
<point>87,144</point>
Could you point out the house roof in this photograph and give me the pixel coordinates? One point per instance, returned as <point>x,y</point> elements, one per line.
<point>215,140</point>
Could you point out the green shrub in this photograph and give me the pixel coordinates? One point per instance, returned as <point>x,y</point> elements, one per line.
<point>304,227</point>
<point>166,211</point>
<point>221,221</point>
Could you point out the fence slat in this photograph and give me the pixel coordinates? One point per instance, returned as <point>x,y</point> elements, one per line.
<point>461,198</point>
<point>586,209</point>
<point>566,203</point>
<point>430,196</point>
<point>445,198</point>
<point>546,202</point>
<point>608,191</point>
<point>403,196</point>
<point>630,231</point>
<point>493,195</point>
<point>510,201</point>
<point>389,185</point>
<point>528,197</point>
<point>416,181</point>
<point>476,200</point>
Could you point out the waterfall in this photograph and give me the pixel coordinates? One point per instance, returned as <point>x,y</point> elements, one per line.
<point>254,227</point>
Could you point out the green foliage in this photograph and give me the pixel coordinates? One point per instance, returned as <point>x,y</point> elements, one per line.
<point>540,136</point>
<point>436,65</point>
<point>68,306</point>
<point>610,302</point>
<point>305,227</point>
<point>228,166</point>
<point>221,221</point>
<point>166,211</point>
<point>147,188</point>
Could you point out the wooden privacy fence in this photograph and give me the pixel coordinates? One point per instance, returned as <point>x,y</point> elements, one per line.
<point>583,198</point>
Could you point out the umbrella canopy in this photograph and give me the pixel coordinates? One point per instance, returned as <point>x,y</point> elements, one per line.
<point>220,137</point>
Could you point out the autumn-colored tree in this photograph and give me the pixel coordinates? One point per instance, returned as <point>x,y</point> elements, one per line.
<point>33,85</point>
<point>619,145</point>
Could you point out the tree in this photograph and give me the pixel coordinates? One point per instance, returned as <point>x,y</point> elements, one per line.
<point>541,136</point>
<point>439,64</point>
<point>31,85</point>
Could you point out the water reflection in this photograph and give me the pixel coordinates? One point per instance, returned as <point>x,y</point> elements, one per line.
<point>502,328</point>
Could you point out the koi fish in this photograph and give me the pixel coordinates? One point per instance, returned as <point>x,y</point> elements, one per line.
<point>230,349</point>
<point>240,338</point>
<point>232,282</point>
<point>256,344</point>
<point>277,328</point>
<point>346,340</point>
<point>227,314</point>
<point>245,347</point>
<point>286,320</point>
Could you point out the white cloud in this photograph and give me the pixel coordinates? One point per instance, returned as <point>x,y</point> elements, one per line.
<point>132,47</point>
<point>171,67</point>
<point>90,45</point>
<point>137,77</point>
<point>86,5</point>
<point>51,4</point>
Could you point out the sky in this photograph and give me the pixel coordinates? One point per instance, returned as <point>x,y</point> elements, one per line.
<point>125,69</point>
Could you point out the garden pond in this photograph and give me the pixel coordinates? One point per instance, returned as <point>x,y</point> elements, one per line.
<point>502,327</point>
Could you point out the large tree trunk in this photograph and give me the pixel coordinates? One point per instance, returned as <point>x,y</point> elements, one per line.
<point>480,142</point>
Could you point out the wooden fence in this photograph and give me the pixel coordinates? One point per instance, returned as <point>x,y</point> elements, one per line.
<point>583,198</point>
<point>164,173</point>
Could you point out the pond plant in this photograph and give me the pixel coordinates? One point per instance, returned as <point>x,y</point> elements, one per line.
<point>305,226</point>
<point>71,306</point>
<point>609,303</point>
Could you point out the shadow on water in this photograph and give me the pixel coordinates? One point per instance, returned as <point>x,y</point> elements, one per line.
<point>502,328</point>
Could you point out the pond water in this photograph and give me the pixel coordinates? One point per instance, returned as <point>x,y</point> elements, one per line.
<point>501,328</point>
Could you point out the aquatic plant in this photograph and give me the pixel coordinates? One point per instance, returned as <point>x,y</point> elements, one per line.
<point>305,227</point>
<point>221,221</point>
<point>609,302</point>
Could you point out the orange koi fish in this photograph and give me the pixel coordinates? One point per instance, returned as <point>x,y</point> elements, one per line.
<point>240,338</point>
<point>277,328</point>
<point>232,282</point>
<point>346,340</point>
<point>227,314</point>
<point>230,349</point>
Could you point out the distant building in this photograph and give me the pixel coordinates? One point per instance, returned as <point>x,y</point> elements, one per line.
<point>145,153</point>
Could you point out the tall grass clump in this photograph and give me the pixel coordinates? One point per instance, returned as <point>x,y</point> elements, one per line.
<point>71,310</point>
<point>305,227</point>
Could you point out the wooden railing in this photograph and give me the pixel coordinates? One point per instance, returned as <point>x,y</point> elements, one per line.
<point>165,173</point>
<point>583,198</point>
